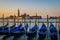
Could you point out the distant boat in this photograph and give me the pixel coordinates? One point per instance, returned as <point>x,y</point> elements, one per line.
<point>33,31</point>
<point>19,30</point>
<point>42,32</point>
<point>2,29</point>
<point>53,32</point>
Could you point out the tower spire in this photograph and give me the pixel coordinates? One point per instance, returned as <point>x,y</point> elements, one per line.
<point>18,12</point>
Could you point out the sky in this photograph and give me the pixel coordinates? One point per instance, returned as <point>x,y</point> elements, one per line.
<point>31,7</point>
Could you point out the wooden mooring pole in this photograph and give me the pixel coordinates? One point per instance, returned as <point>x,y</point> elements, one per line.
<point>59,23</point>
<point>48,28</point>
<point>3,20</point>
<point>58,27</point>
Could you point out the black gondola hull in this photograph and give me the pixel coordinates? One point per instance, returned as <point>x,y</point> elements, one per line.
<point>53,37</point>
<point>31,34</point>
<point>41,36</point>
<point>13,34</point>
<point>1,33</point>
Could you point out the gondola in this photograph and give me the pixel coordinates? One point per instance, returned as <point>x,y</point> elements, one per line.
<point>53,32</point>
<point>6,30</point>
<point>33,31</point>
<point>19,30</point>
<point>42,32</point>
<point>2,29</point>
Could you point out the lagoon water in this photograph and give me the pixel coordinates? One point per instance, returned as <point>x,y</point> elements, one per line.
<point>24,37</point>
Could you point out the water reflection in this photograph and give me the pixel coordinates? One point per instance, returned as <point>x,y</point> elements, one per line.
<point>29,38</point>
<point>5,37</point>
<point>17,37</point>
<point>22,37</point>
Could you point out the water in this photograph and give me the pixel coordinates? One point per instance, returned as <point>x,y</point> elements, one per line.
<point>24,37</point>
<point>4,37</point>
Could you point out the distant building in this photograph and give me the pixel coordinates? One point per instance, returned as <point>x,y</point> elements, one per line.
<point>25,15</point>
<point>59,16</point>
<point>53,17</point>
<point>18,14</point>
<point>35,17</point>
<point>11,17</point>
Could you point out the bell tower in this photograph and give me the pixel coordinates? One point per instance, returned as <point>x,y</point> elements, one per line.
<point>18,12</point>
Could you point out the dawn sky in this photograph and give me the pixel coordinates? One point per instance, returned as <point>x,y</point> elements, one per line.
<point>31,7</point>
